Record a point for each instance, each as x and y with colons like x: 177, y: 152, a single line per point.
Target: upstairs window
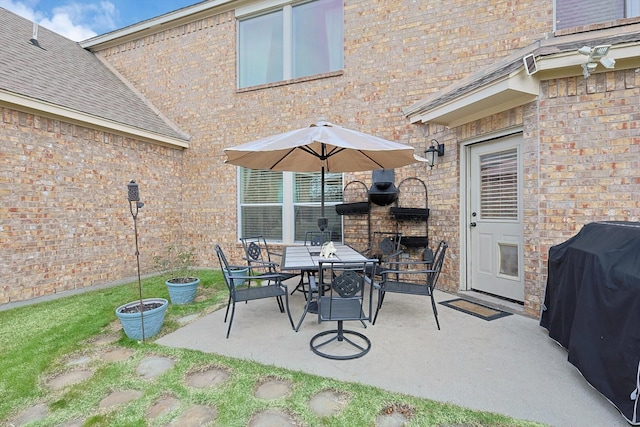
x: 295, y: 40
x: 577, y: 13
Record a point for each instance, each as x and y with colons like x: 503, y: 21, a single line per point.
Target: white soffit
x: 500, y: 95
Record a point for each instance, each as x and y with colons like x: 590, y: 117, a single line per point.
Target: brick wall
x: 65, y: 217
x: 396, y: 53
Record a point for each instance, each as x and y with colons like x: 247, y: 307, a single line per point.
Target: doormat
x: 475, y: 309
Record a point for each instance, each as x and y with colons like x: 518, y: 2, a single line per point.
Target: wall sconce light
x: 430, y: 153
x: 596, y: 54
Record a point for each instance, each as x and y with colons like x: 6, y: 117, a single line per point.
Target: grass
x: 38, y: 341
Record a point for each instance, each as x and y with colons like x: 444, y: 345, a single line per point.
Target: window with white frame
x: 576, y: 13
x: 296, y: 39
x: 282, y: 206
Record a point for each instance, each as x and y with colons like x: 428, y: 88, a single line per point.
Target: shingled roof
x: 56, y: 70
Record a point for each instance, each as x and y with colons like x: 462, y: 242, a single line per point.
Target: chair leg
x: 300, y: 287
x: 380, y: 299
x: 233, y: 311
x: 280, y: 305
x: 286, y: 300
x: 304, y: 313
x: 227, y: 312
x: 435, y: 310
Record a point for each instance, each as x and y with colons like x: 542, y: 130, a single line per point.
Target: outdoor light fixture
x: 596, y: 54
x: 430, y: 153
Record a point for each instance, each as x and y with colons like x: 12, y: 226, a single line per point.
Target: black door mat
x: 475, y: 309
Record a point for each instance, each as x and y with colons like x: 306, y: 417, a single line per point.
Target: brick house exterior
x: 413, y: 71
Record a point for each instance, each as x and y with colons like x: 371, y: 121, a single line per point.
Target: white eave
x: 499, y: 95
x: 48, y: 109
x: 489, y: 92
x: 168, y: 20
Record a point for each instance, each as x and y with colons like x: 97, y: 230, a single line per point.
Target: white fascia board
x: 570, y: 63
x: 154, y: 22
x: 500, y: 95
x: 48, y: 109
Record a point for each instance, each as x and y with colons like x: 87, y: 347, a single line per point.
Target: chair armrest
x: 412, y: 267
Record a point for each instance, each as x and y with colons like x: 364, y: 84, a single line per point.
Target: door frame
x: 465, y: 198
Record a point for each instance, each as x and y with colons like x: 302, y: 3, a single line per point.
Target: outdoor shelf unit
x: 415, y: 214
x: 362, y: 207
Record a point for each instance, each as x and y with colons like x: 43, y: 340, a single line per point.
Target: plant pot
x: 153, y: 317
x: 410, y: 214
x: 415, y: 241
x: 235, y: 272
x: 182, y: 290
x: 356, y: 208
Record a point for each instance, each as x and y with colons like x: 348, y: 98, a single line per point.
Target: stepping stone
x: 35, y: 413
x: 82, y: 360
x: 273, y: 389
x: 162, y: 406
x: 208, y: 378
x: 120, y: 397
x: 117, y: 355
x: 152, y: 367
x: 69, y: 378
x: 195, y: 416
x: 328, y: 403
x: 272, y: 418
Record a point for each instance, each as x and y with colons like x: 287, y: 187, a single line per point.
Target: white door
x: 495, y: 218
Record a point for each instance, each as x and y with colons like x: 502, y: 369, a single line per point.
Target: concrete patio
x: 508, y: 365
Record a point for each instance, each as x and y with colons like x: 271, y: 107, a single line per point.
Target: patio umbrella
x: 323, y: 147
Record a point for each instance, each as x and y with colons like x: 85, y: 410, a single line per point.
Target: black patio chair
x: 275, y: 289
x: 385, y: 247
x: 413, y: 278
x: 315, y: 239
x: 261, y: 260
x: 345, y: 300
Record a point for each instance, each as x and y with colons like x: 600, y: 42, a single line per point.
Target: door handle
x: 473, y: 224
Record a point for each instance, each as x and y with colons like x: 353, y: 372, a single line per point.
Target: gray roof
x: 58, y: 71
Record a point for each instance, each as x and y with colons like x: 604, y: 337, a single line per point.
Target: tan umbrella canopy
x: 323, y: 147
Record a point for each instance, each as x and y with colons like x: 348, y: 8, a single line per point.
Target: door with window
x: 495, y: 218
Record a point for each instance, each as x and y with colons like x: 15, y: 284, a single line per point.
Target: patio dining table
x: 308, y: 257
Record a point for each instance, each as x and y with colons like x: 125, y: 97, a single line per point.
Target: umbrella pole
x: 322, y: 221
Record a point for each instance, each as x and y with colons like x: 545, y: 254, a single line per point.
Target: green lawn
x: 38, y: 341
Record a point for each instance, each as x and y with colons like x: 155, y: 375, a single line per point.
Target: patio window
x: 282, y: 206
x: 295, y: 40
x: 576, y: 13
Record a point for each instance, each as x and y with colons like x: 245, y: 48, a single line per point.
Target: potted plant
x: 142, y: 318
x: 176, y: 267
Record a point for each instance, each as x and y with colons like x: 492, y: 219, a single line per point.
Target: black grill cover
x: 592, y: 308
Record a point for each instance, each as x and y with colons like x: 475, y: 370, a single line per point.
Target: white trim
x: 169, y: 19
x: 500, y: 95
x: 260, y: 6
x: 512, y: 90
x: 465, y: 165
x: 21, y: 102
